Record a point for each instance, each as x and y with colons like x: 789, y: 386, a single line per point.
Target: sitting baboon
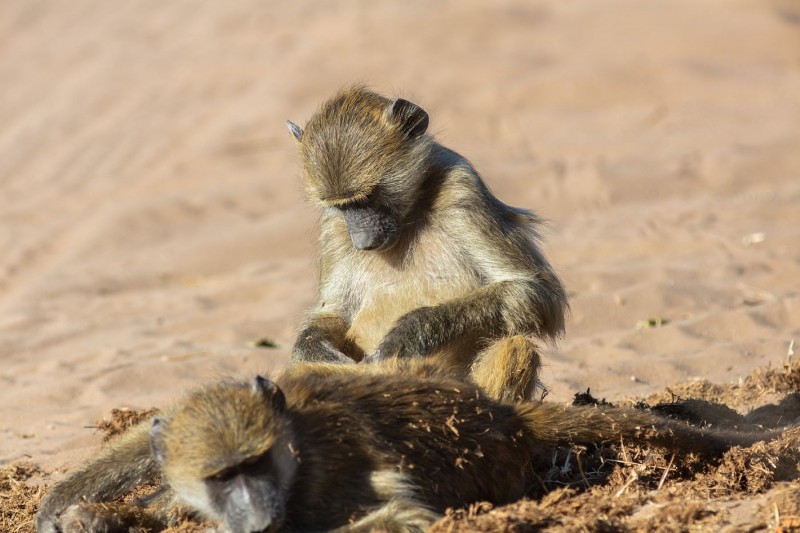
x: 417, y: 257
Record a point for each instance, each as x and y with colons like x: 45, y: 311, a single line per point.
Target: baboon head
x: 227, y: 452
x: 364, y: 156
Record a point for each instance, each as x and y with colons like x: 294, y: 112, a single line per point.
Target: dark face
x: 371, y: 227
x: 247, y: 496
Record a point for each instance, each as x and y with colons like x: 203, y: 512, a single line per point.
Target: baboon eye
x: 349, y: 205
x: 223, y: 475
x: 250, y: 461
x: 258, y: 463
x: 365, y: 202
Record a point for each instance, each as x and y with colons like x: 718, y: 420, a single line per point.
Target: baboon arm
x: 495, y: 310
x: 118, y: 468
x: 323, y: 338
x: 123, y: 517
x: 527, y: 292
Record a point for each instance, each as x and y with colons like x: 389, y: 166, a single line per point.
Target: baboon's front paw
x: 374, y: 357
x: 391, y: 346
x: 414, y: 334
x: 92, y: 518
x: 329, y: 354
x: 46, y: 524
x: 395, y: 346
x: 318, y: 351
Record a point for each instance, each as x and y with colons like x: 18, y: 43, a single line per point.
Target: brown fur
x: 462, y: 279
x: 362, y: 446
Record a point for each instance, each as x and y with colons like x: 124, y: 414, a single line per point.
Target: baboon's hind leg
x: 401, y: 510
x: 400, y: 515
x: 508, y: 370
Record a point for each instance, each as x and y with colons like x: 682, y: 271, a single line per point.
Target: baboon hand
x: 316, y: 350
x: 46, y: 524
x: 100, y: 517
x: 414, y: 334
x: 395, y: 347
x: 86, y: 518
x: 47, y: 518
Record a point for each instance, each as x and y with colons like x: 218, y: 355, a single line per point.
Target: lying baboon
x: 417, y: 257
x: 331, y: 446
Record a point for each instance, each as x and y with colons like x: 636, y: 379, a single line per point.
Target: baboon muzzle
x: 370, y: 228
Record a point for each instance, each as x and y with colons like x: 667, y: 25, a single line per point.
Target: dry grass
x: 121, y: 419
x: 18, y: 500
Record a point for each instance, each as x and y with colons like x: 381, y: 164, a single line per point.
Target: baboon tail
x: 554, y: 424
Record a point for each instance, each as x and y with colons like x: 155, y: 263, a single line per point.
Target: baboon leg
x: 399, y: 515
x: 401, y: 511
x: 508, y: 369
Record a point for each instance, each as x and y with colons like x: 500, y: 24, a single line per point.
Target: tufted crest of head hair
x: 238, y: 422
x: 358, y: 140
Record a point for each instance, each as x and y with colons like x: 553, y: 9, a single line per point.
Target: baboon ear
x: 271, y: 393
x: 157, y: 446
x: 412, y: 119
x: 295, y: 130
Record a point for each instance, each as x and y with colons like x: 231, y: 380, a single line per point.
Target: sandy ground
x: 152, y: 226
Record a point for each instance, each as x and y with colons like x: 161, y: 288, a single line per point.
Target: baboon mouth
x: 372, y: 239
x: 369, y: 228
x: 370, y: 245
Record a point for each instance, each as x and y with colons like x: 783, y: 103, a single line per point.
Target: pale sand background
x: 152, y: 225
